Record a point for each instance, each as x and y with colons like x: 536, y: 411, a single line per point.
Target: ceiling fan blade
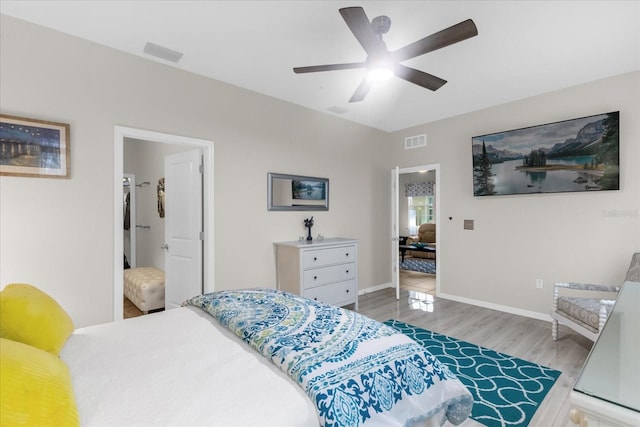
x: 454, y: 34
x: 329, y: 67
x: 419, y: 78
x: 361, y: 91
x: 360, y: 26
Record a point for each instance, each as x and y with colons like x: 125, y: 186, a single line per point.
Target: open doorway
x: 417, y: 224
x: 155, y: 280
x: 121, y: 134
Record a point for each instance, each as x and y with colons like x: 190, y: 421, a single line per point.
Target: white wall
x: 58, y: 234
x: 518, y: 239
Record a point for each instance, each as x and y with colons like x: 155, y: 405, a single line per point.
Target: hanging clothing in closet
x: 127, y: 212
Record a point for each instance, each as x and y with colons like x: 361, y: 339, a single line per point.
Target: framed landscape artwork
x: 573, y: 155
x: 30, y: 147
x: 297, y: 193
x: 308, y: 189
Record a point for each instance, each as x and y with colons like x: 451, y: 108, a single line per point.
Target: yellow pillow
x: 36, y: 388
x: 30, y: 316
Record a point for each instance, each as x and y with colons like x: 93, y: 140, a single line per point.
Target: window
x: 420, y: 212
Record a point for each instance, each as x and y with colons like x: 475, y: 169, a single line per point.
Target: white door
x: 395, y: 267
x: 182, y: 227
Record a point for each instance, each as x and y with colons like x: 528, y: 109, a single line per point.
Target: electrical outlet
x: 539, y: 283
x: 468, y: 224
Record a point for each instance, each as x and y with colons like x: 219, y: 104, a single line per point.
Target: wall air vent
x: 415, y: 141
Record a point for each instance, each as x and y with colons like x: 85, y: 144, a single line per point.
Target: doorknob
x: 165, y: 247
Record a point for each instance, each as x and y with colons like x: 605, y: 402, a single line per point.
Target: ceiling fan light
x: 380, y: 74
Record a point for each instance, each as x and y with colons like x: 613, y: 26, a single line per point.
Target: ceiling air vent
x: 415, y: 141
x: 337, y: 110
x: 162, y: 52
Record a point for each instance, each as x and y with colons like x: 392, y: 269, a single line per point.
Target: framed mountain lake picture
x: 30, y: 147
x: 573, y: 155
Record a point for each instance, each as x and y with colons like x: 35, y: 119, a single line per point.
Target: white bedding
x: 356, y: 371
x: 178, y: 368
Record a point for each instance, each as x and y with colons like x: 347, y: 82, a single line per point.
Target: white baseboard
x: 504, y: 308
x: 374, y: 288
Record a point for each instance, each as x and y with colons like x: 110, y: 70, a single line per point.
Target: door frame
x: 395, y: 204
x: 208, y: 264
x: 133, y: 261
x: 395, y: 232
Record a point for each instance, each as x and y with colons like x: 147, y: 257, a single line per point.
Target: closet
x: 129, y: 211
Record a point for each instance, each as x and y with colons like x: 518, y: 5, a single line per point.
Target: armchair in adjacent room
x: 587, y: 315
x: 427, y: 236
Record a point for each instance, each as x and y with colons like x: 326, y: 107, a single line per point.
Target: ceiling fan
x: 381, y: 63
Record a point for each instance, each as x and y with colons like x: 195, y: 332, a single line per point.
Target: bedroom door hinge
x: 201, y: 235
x: 201, y: 168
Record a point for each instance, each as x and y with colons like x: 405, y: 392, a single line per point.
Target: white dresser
x: 325, y: 270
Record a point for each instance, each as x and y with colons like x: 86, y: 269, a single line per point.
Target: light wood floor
x: 419, y: 282
x: 522, y: 337
x: 130, y: 309
x: 518, y: 336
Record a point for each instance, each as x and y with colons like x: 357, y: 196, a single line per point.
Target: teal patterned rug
x: 419, y: 264
x: 506, y: 390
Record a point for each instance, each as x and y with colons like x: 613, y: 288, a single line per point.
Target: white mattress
x: 178, y: 367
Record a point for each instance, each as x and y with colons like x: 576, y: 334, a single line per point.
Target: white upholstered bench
x: 144, y: 286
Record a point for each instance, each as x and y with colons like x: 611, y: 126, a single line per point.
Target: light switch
x: 468, y: 224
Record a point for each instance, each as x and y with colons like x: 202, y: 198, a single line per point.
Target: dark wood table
x: 405, y: 248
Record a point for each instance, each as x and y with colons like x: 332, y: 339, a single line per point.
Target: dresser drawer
x: 338, y: 294
x: 323, y: 275
x: 325, y: 270
x: 320, y: 257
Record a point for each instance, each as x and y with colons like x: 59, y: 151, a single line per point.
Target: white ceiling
x: 523, y: 48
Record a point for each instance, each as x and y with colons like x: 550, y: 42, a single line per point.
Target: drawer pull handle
x: 315, y: 298
x: 347, y: 290
x: 315, y: 277
x: 347, y: 253
x: 315, y: 258
x: 347, y: 271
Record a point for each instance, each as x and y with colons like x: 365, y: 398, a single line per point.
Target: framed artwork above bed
x: 573, y: 155
x: 31, y: 147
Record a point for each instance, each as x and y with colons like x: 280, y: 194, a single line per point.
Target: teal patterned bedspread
x: 357, y: 371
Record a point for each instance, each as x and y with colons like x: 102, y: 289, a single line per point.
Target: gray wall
x: 587, y: 237
x: 58, y: 234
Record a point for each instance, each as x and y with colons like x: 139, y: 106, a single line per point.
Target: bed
x: 257, y: 357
